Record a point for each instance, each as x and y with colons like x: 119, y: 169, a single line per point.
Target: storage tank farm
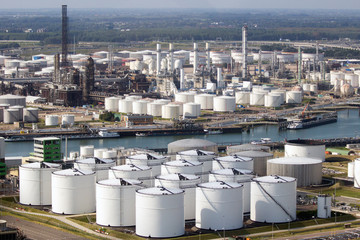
x: 219, y: 206
x: 241, y: 176
x: 182, y: 166
x: 115, y: 202
x: 99, y: 166
x: 131, y: 171
x: 260, y: 159
x: 233, y: 161
x: 148, y: 159
x: 188, y: 183
x: 35, y: 183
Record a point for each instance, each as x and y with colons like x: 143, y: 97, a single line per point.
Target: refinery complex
x: 99, y: 165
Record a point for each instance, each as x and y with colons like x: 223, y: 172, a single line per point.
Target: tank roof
x: 119, y: 182
x: 234, y: 158
x: 220, y: 185
x: 160, y: 191
x: 131, y: 167
x: 73, y: 172
x: 192, y: 142
x: 183, y: 163
x: 95, y: 160
x: 195, y: 152
x: 295, y: 161
x: 253, y: 154
x: 41, y: 165
x: 178, y: 177
x: 304, y: 142
x: 274, y: 179
x: 146, y: 156
x: 232, y: 171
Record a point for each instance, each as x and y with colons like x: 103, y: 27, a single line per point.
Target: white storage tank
x: 181, y: 107
x: 131, y: 171
x: 206, y: 101
x: 281, y: 93
x: 357, y: 173
x: 294, y: 97
x: 160, y: 212
x: 260, y: 160
x: 112, y: 104
x: 182, y: 166
x: 313, y: 88
x: 350, y: 169
x: 110, y: 154
x: 235, y: 175
x: 257, y: 99
x: 242, y: 98
x: 13, y: 100
x: 148, y: 159
x: 35, y: 182
x: 11, y: 115
x: 188, y: 183
x: 20, y: 110
x: 324, y: 206
x: 73, y: 191
x: 170, y: 111
x: 246, y: 147
x: 31, y: 115
x: 219, y: 206
x: 272, y: 100
x: 192, y: 110
x: 155, y: 109
x: 115, y: 202
x: 307, y: 171
x: 305, y: 148
x: 140, y: 107
x: 273, y: 199
x: 190, y: 144
x: 51, y: 120
x: 68, y: 119
x: 233, y: 161
x: 224, y: 104
x: 126, y: 105
x: 100, y: 166
x: 87, y: 151
x: 306, y: 87
x: 185, y: 97
x: 98, y: 152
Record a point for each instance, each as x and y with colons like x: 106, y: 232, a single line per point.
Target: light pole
x: 288, y: 224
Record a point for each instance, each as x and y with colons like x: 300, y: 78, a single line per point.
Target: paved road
x: 37, y: 231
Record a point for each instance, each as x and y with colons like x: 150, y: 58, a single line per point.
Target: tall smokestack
x: 158, y: 58
x: 208, y: 56
x: 57, y: 68
x: 196, y: 57
x: 64, y: 37
x: 171, y: 50
x: 182, y: 78
x: 219, y: 78
x: 244, y: 51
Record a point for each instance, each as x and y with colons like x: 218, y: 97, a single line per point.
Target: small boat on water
x: 212, y: 132
x: 141, y: 134
x: 104, y: 133
x: 262, y: 141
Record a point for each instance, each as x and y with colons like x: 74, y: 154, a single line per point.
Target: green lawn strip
x: 10, y: 202
x: 83, y: 221
x: 53, y: 223
x: 340, y: 191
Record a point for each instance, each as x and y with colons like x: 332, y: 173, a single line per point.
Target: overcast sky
x: 293, y: 4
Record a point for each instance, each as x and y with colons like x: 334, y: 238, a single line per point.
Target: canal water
x: 348, y: 125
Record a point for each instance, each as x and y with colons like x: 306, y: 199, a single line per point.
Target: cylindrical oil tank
x: 148, y: 159
x: 126, y: 105
x: 31, y: 115
x: 242, y: 98
x: 11, y: 115
x: 257, y: 99
x: 131, y: 171
x: 68, y: 119
x: 21, y: 111
x: 306, y: 87
x: 219, y: 206
x: 357, y: 173
x: 51, y: 120
x: 160, y: 212
x: 224, y: 104
x: 272, y: 100
x: 305, y: 148
x: 155, y: 109
x: 190, y: 144
x: 182, y: 166
x: 350, y: 169
x: 170, y: 111
x: 140, y: 107
x: 205, y: 100
x: 235, y: 175
x: 185, y: 97
x: 246, y: 147
x: 13, y: 100
x: 260, y: 159
x: 73, y: 191
x: 307, y: 171
x: 35, y: 182
x: 324, y: 206
x: 98, y: 152
x: 233, y: 161
x: 112, y: 104
x: 181, y: 107
x: 294, y: 97
x: 110, y: 154
x: 281, y: 93
x: 87, y: 151
x: 115, y: 202
x: 313, y: 88
x: 202, y: 156
x: 192, y: 110
x: 273, y: 199
x: 100, y: 166
x: 188, y: 183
